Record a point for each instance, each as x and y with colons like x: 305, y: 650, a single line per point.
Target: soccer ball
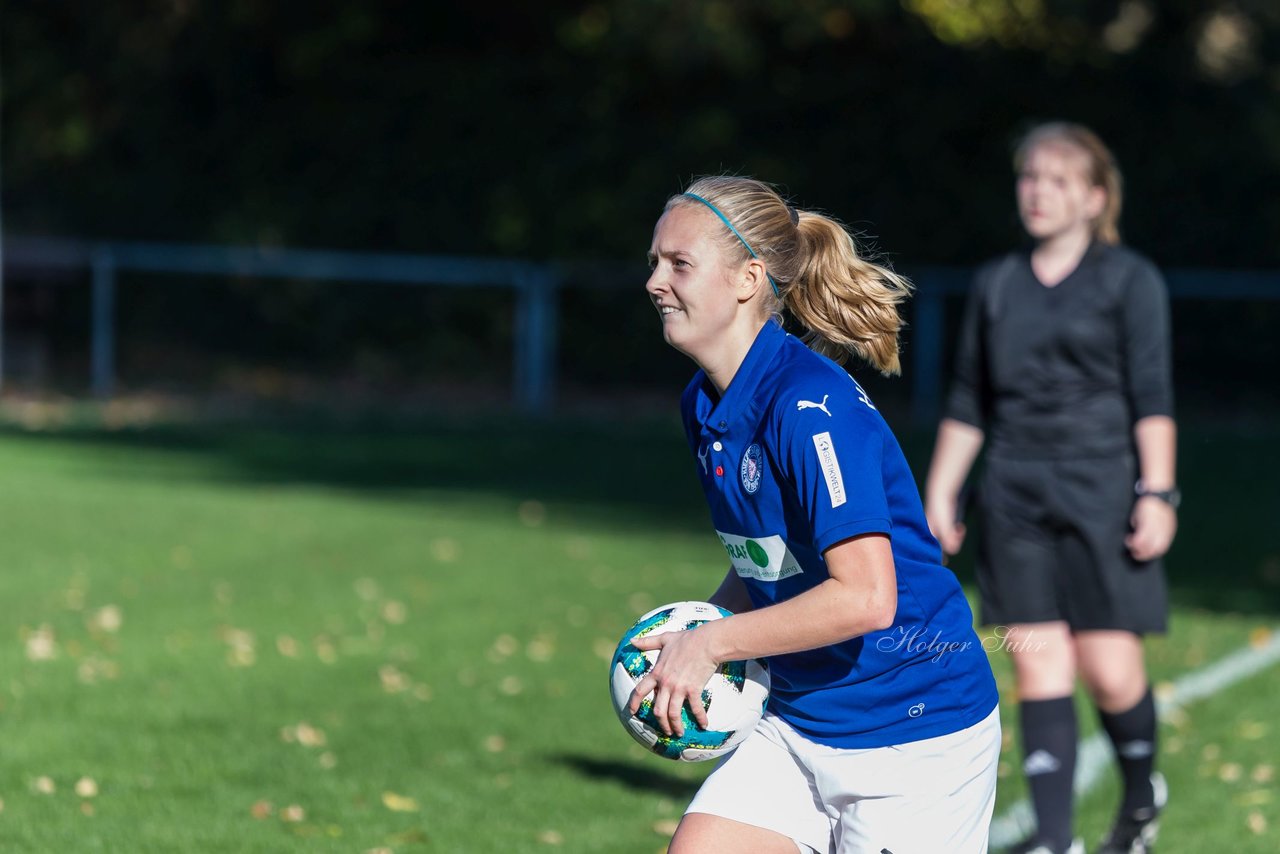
x: 734, y: 698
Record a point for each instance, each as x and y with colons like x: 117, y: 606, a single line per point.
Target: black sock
x: 1049, y: 760
x: 1133, y: 734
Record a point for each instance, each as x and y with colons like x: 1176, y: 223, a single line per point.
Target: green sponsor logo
x: 747, y: 550
x: 766, y: 558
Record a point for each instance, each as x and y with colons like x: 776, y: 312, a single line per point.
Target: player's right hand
x: 949, y: 531
x: 677, y: 679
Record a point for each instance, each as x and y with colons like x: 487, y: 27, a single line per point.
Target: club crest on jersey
x: 752, y: 468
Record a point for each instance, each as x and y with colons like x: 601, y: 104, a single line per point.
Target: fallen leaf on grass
x: 293, y: 813
x: 1259, y: 637
x: 1257, y: 823
x: 262, y: 809
x: 540, y: 649
x: 1263, y: 774
x: 86, y: 808
x: 399, y: 803
x: 367, y: 589
x: 86, y: 787
x: 445, y: 550
x: 412, y: 836
x: 1252, y: 730
x: 392, y: 678
x: 495, y: 744
x: 551, y: 837
x: 107, y: 619
x: 303, y: 733
x: 93, y: 668
x: 503, y: 646
x: 287, y: 646
x: 1229, y: 772
x: 44, y: 785
x: 41, y: 645
x: 325, y: 650
x: 394, y: 612
x: 241, y: 646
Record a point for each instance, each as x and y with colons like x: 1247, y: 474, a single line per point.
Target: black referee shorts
x: 1051, y: 547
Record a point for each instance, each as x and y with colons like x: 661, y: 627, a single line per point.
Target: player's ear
x: 1096, y: 202
x: 753, y: 278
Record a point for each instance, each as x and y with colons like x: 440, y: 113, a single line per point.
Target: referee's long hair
x: 847, y: 303
x: 1102, y: 170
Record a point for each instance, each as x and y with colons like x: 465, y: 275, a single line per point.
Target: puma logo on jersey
x: 703, y: 453
x: 809, y: 404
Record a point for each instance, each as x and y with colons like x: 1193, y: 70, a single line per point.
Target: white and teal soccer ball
x: 734, y: 698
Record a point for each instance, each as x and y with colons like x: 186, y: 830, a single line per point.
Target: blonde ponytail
x: 847, y: 303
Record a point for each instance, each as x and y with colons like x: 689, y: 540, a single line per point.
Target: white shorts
x: 923, y: 797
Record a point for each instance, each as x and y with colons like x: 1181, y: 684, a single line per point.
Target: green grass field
x: 353, y: 639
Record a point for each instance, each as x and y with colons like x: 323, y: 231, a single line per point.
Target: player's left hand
x: 684, y: 665
x: 1154, y: 524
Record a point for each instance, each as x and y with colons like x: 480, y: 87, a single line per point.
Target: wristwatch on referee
x: 1171, y: 496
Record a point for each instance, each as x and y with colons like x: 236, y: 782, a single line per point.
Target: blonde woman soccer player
x: 881, y: 732
x: 1063, y: 371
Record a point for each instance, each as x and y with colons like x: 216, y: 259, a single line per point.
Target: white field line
x: 1095, y: 754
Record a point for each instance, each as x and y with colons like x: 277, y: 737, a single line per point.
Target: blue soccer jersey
x: 794, y: 458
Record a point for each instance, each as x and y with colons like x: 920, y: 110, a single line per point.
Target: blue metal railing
x: 537, y: 288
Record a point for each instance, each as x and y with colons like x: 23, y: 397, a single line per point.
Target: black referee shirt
x: 1064, y: 371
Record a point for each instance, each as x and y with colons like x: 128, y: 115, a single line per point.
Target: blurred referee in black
x: 1063, y: 370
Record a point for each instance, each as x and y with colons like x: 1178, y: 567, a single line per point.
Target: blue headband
x: 715, y: 210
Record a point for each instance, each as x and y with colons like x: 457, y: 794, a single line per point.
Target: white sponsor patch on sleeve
x: 830, y: 467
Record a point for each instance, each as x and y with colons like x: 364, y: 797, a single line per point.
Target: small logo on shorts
x: 752, y: 468
x: 916, y: 711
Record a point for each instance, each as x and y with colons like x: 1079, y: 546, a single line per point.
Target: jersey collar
x: 741, y: 393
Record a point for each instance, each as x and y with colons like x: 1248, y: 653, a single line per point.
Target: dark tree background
x: 555, y: 130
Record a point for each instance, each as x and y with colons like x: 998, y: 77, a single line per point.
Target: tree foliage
x: 556, y: 129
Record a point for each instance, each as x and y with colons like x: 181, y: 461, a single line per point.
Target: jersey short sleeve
x: 831, y: 447
x: 966, y: 401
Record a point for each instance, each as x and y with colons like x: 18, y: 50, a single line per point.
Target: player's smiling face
x: 1055, y: 196
x: 692, y: 283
